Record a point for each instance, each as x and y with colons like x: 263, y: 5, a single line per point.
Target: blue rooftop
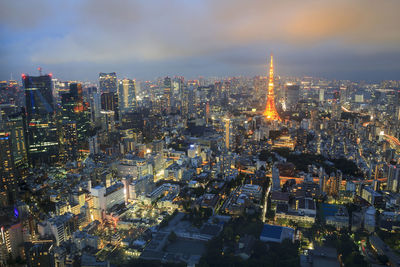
x: 329, y: 209
x: 272, y: 231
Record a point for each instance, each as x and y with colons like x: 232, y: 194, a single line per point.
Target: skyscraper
x: 393, y: 182
x: 95, y: 107
x: 276, y: 184
x: 127, y: 95
x: 109, y: 102
x: 343, y: 94
x: 74, y: 121
x: 12, y: 121
x: 108, y: 82
x: 42, y: 134
x: 69, y: 140
x: 292, y: 92
x: 259, y: 83
x: 7, y: 175
x: 270, y: 112
x: 167, y: 94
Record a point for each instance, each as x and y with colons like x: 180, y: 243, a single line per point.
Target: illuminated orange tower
x: 270, y: 112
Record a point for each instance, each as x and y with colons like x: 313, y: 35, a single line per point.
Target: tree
x: 383, y: 259
x: 172, y: 237
x: 228, y: 233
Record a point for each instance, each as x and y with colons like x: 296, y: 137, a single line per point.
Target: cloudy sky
x: 77, y: 39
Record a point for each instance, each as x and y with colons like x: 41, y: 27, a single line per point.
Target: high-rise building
x: 260, y: 83
x: 74, y: 121
x: 321, y: 95
x: 69, y: 140
x: 95, y: 107
x: 7, y: 171
x: 393, y: 182
x: 42, y: 137
x: 227, y: 133
x: 12, y: 121
x: 108, y: 82
x: 11, y: 240
x: 167, y: 94
x: 270, y: 112
x: 343, y: 94
x: 127, y: 95
x: 276, y: 185
x: 94, y: 147
x: 292, y: 95
x: 109, y: 102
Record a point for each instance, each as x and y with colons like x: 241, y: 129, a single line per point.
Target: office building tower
x: 227, y: 133
x: 393, y: 178
x: 69, y: 140
x: 11, y: 240
x: 167, y: 95
x: 343, y: 94
x: 109, y: 102
x: 94, y: 147
x: 276, y: 185
x: 76, y: 97
x: 95, y: 107
x: 127, y: 95
x: 42, y: 137
x: 260, y: 83
x: 292, y: 94
x: 12, y: 121
x: 321, y: 95
x: 7, y: 171
x: 73, y: 122
x: 185, y: 102
x: 108, y: 82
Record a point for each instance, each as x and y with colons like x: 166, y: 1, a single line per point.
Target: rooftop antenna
x: 40, y: 71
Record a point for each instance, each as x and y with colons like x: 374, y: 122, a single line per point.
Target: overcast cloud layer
x: 76, y: 39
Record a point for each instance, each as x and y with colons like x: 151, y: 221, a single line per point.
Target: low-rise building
x: 276, y: 233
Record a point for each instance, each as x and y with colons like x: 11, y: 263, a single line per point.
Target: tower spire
x: 271, y: 77
x: 270, y: 112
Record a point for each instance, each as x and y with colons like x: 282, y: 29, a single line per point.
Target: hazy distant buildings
x: 343, y: 94
x: 167, y: 95
x: 292, y: 96
x: 108, y: 82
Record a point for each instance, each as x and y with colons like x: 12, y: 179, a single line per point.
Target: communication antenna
x: 40, y: 71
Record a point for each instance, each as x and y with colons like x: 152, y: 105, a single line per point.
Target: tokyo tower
x: 270, y: 112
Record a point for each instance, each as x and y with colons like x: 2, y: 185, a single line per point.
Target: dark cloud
x: 224, y: 36
x: 23, y: 15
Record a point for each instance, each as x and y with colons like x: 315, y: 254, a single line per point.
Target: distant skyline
x: 77, y: 39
